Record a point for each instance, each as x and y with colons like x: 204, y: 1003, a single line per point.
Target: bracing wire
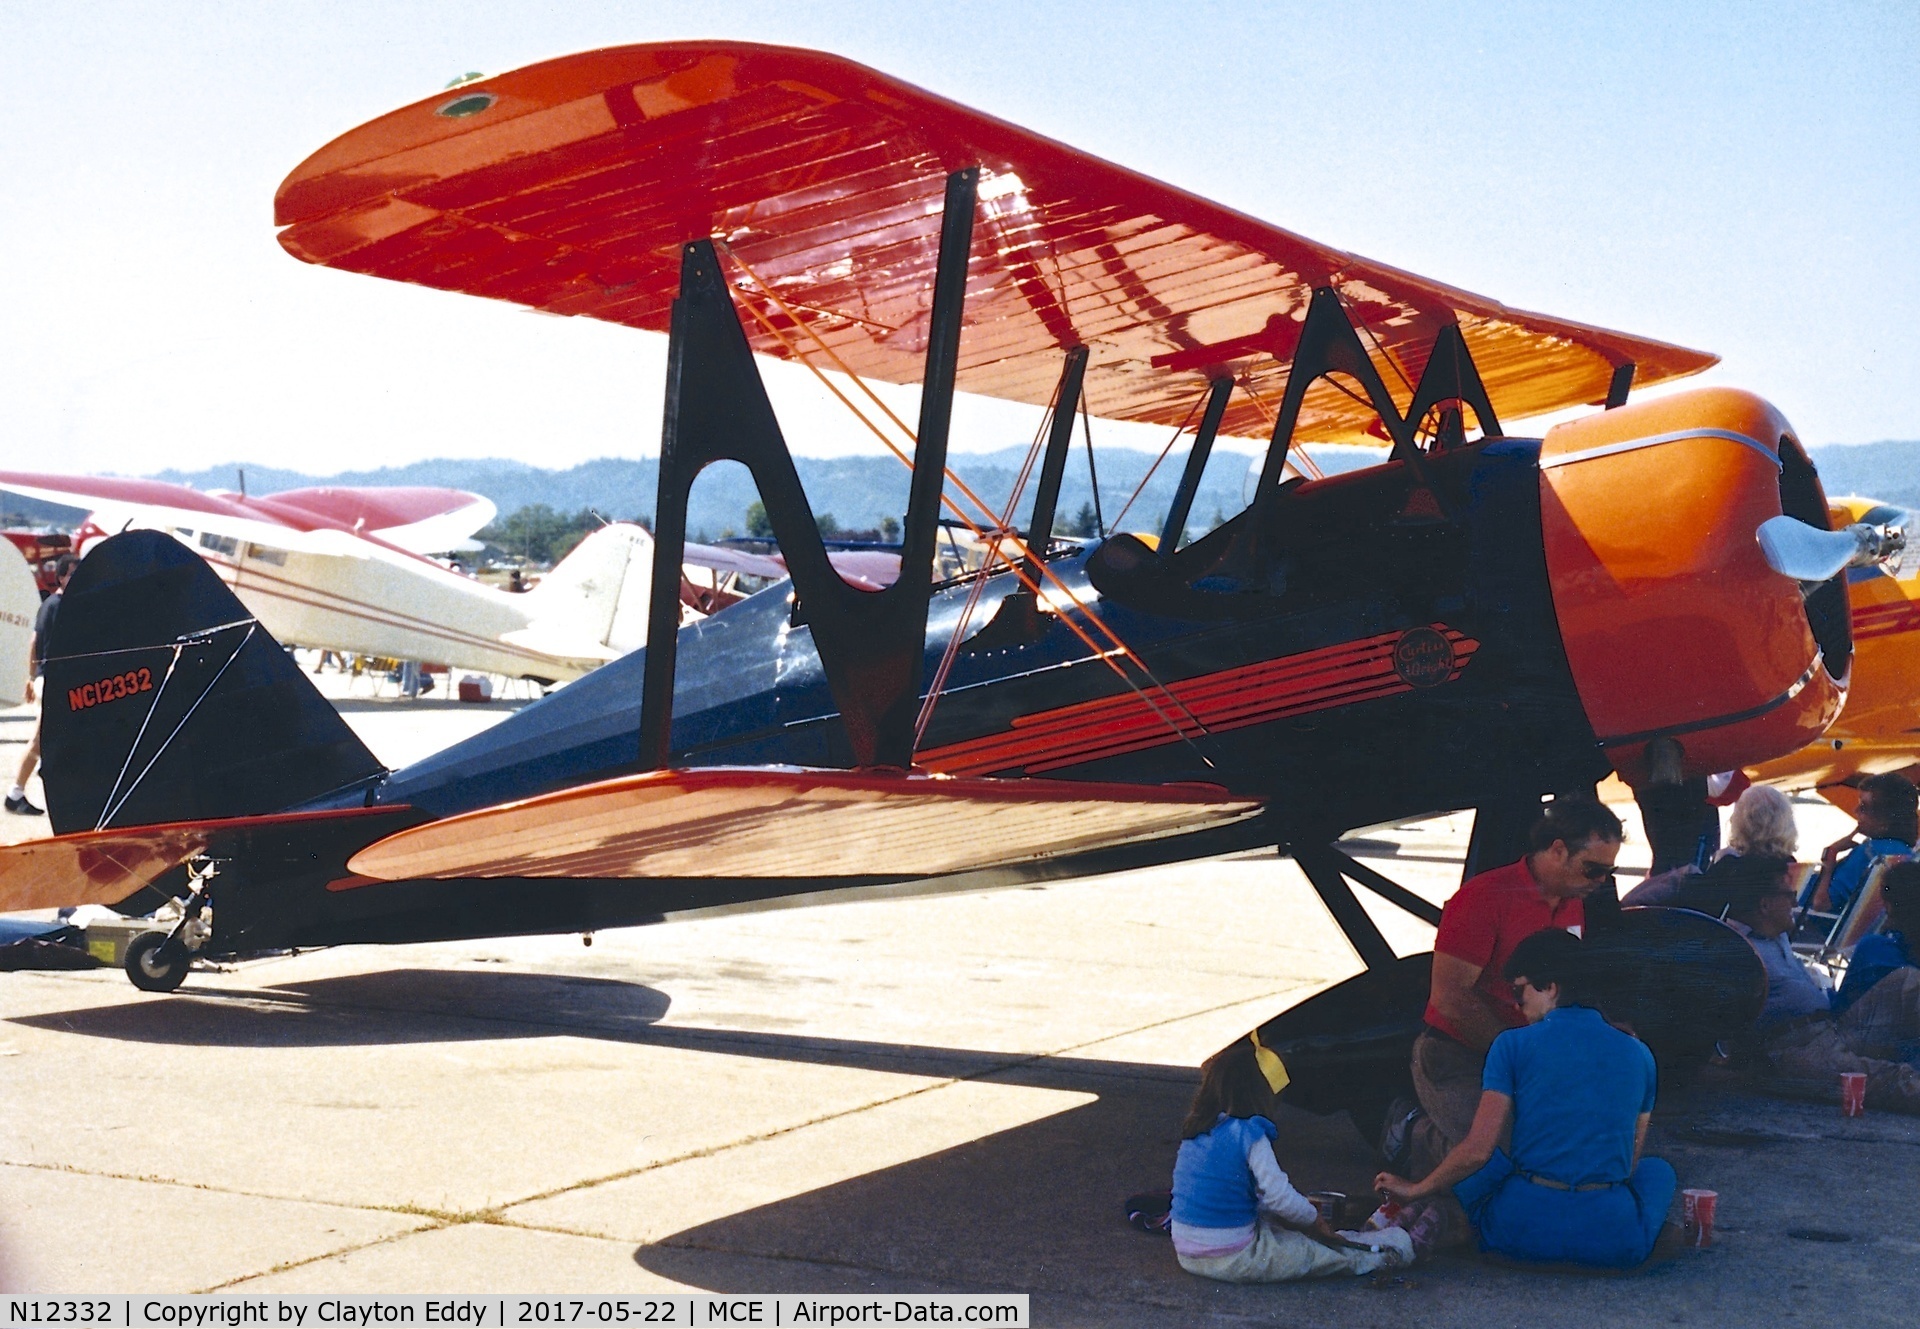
x: 974, y: 592
x: 1118, y: 648
x: 1140, y: 488
x: 112, y: 807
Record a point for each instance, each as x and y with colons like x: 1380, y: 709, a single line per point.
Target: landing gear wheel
x: 154, y: 966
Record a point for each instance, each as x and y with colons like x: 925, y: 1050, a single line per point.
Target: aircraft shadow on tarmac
x: 398, y: 1006
x: 388, y: 1007
x: 1035, y: 1208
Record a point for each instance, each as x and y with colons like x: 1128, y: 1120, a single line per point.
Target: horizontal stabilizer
x: 730, y: 822
x: 106, y: 867
x: 93, y: 867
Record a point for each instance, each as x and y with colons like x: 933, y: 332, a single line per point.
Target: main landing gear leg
x: 158, y: 961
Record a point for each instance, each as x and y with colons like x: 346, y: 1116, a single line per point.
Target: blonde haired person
x: 1762, y: 824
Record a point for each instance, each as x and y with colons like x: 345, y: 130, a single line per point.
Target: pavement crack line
x: 155, y: 1179
x: 335, y: 1254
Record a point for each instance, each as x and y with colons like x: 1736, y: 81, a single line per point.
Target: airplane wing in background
x: 869, y: 569
x: 417, y: 519
x: 118, y: 502
x: 569, y: 186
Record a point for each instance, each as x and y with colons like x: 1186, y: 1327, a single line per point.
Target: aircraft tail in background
x: 593, y: 605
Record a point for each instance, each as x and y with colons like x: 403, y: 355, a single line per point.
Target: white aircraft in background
x: 349, y: 570
x: 19, y: 603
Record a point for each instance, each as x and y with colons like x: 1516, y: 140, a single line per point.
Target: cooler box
x: 107, y: 942
x: 476, y: 687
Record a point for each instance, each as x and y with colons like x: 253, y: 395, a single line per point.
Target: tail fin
x: 166, y: 701
x: 596, y: 596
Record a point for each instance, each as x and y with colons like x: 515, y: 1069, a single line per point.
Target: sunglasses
x: 1596, y: 871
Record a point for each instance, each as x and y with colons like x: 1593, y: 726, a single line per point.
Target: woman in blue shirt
x: 1577, y: 1093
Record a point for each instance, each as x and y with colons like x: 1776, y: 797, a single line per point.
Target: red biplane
x: 1464, y: 625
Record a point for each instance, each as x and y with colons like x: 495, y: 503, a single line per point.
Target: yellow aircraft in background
x: 1879, y: 727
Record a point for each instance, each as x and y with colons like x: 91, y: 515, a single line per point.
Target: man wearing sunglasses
x: 1572, y: 848
x: 1804, y: 1037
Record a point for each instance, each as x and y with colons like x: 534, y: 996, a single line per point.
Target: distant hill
x: 860, y: 491
x: 1888, y: 470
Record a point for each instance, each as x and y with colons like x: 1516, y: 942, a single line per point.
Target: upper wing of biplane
x: 569, y: 186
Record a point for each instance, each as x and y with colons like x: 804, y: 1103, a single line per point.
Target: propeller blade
x: 1808, y: 554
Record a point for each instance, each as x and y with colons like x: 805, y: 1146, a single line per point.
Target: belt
x: 1553, y: 1185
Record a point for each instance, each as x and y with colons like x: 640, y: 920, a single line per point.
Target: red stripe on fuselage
x: 1235, y: 698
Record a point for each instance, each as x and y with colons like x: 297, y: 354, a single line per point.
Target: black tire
x: 154, y: 966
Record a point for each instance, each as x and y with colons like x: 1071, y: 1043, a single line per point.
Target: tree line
x: 538, y: 534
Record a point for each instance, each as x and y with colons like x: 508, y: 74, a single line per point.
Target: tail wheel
x: 155, y: 966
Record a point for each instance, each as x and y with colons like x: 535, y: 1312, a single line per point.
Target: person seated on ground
x: 1577, y: 1093
x: 1236, y: 1217
x: 1893, y: 948
x: 1762, y: 823
x: 1708, y: 892
x: 1572, y: 850
x: 1888, y: 817
x: 1800, y: 1033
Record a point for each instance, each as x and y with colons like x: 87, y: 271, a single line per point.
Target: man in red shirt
x: 1572, y: 850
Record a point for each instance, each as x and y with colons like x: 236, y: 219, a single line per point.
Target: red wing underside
x: 788, y: 823
x: 570, y: 186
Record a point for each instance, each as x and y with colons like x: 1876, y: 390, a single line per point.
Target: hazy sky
x: 1735, y: 177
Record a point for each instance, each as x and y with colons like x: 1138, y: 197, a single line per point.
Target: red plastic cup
x: 1696, y: 1212
x: 1853, y: 1093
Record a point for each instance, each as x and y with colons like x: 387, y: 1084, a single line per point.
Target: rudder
x: 166, y: 701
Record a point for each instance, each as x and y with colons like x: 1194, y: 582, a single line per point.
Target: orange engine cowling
x: 1674, y: 624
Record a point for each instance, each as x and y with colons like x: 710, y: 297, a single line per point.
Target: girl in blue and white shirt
x: 1236, y: 1217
